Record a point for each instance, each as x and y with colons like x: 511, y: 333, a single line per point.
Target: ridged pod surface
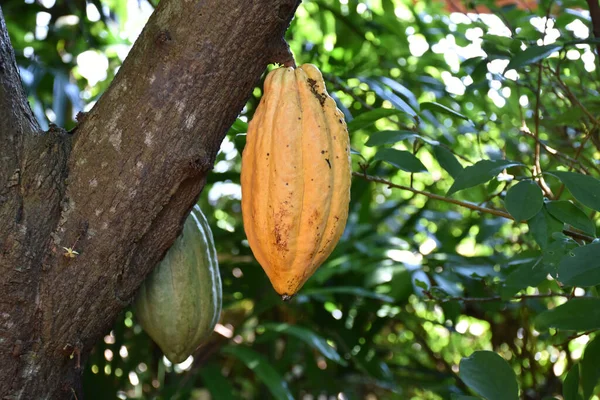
x: 179, y: 303
x: 296, y: 174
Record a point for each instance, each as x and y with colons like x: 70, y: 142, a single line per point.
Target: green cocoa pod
x: 179, y: 303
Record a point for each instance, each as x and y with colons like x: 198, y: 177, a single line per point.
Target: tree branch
x: 16, y: 125
x: 32, y: 174
x: 13, y: 102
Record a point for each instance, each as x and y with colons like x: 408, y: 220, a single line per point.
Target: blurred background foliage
x: 420, y: 284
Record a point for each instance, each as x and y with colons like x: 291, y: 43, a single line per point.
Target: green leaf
x: 388, y: 137
x: 571, y: 384
x: 578, y: 314
x: 447, y: 161
x: 479, y: 173
x: 524, y: 200
x: 386, y: 94
x: 542, y: 226
x: 310, y: 338
x: 531, y: 273
x: 391, y: 137
x: 432, y: 106
x: 555, y: 252
x: 421, y: 282
x: 531, y: 55
x: 240, y: 141
x: 218, y: 386
x: 355, y: 291
x: 400, y: 89
x: 263, y: 370
x: 355, y: 152
x: 590, y: 372
x: 400, y: 159
x: 239, y: 126
x: 581, y: 267
x: 569, y: 213
x: 584, y: 188
x: 370, y: 117
x: 455, y: 396
x: 489, y: 375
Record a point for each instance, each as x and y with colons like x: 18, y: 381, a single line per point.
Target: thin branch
x: 587, y: 137
x: 579, y: 151
x: 537, y: 167
x: 576, y: 101
x: 495, y: 298
x: 470, y: 206
x: 574, y: 98
x: 577, y: 235
x: 557, y: 154
x: 575, y: 336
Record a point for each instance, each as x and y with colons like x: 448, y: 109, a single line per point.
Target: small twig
x: 587, y: 137
x: 557, y: 154
x: 470, y: 206
x: 575, y: 336
x: 414, y: 153
x: 577, y: 235
x: 574, y: 99
x: 537, y: 167
x: 338, y: 85
x: 495, y: 298
x: 474, y: 207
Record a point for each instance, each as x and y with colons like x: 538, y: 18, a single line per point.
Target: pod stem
x: 282, y: 54
x: 287, y: 297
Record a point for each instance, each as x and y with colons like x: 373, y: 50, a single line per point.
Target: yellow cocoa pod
x: 296, y: 174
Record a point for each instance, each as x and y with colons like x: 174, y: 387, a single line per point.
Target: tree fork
x: 119, y: 187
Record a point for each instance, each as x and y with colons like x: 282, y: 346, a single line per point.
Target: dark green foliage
x: 500, y: 385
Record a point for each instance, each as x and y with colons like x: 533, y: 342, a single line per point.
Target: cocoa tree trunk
x: 118, y: 187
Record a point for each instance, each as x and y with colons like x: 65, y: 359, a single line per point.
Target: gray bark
x: 117, y: 188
